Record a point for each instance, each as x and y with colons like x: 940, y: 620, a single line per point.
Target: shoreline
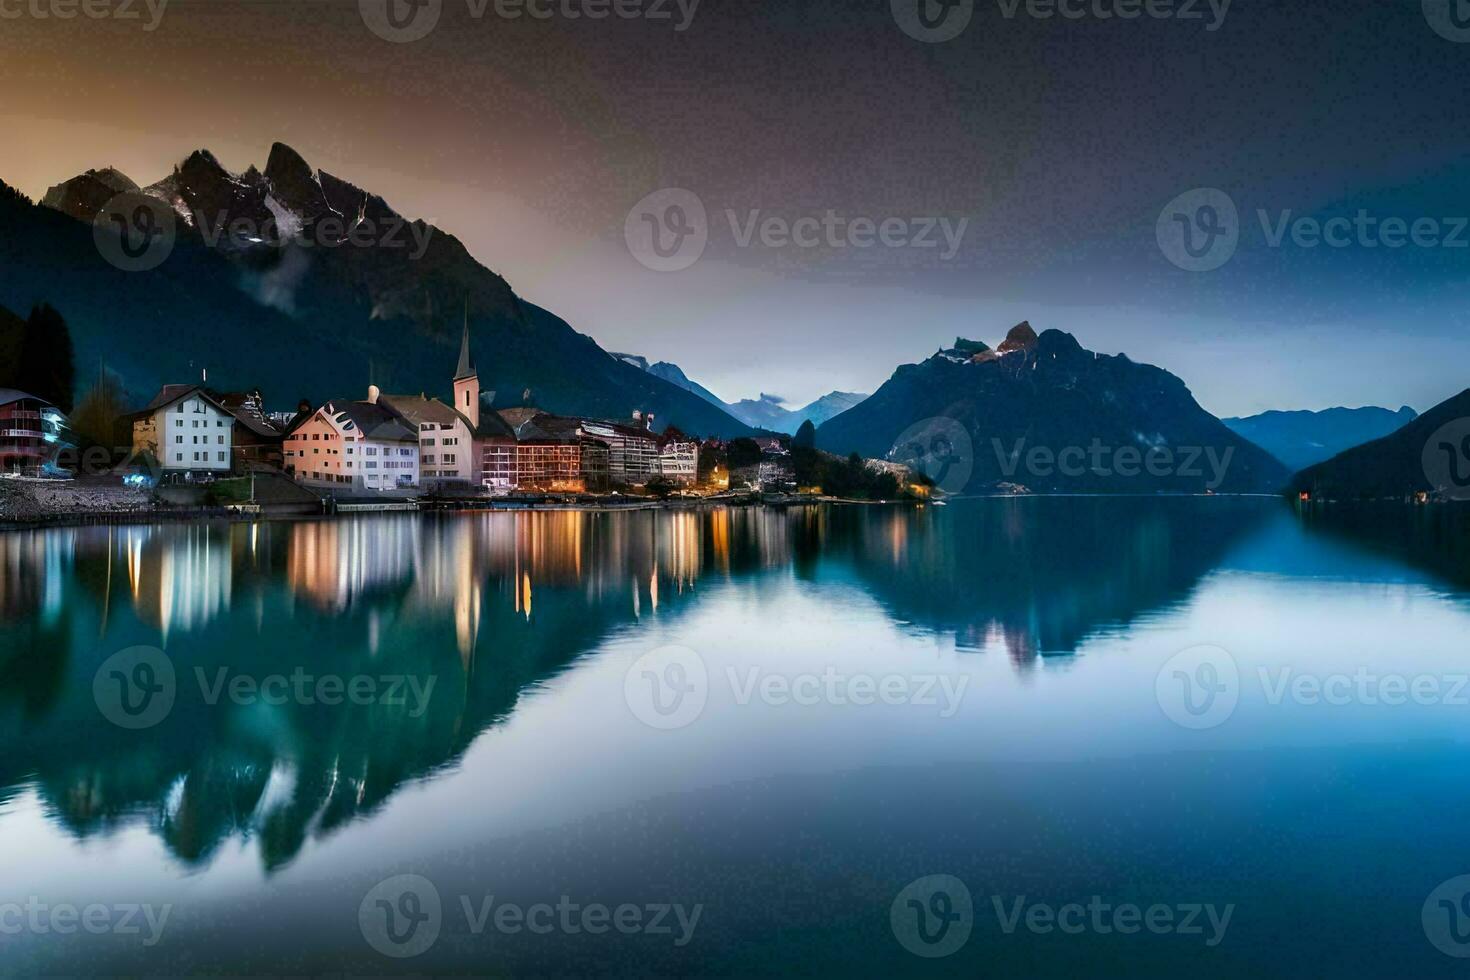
x: 244, y: 514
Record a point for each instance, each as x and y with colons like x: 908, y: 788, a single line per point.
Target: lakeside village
x: 195, y: 450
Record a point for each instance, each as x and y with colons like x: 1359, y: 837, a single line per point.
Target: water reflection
x: 491, y: 607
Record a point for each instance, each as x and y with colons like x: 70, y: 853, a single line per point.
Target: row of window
x: 179, y: 440
x: 179, y: 457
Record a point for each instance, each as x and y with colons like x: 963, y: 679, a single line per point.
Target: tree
x: 46, y: 367
x: 806, y: 436
x: 95, y: 418
x: 744, y: 452
x: 711, y: 457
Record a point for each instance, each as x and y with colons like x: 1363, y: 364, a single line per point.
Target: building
x: 258, y: 439
x: 632, y: 450
x: 454, y: 440
x: 550, y: 453
x: 187, y: 431
x: 23, y: 445
x: 678, y: 461
x: 776, y: 476
x: 446, y: 439
x: 353, y: 446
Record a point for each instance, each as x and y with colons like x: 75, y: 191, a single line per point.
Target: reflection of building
x: 22, y: 434
x: 334, y: 563
x: 180, y: 576
x: 187, y: 430
x: 354, y: 446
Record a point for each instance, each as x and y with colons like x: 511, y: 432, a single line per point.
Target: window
x: 221, y: 457
x: 220, y: 424
x: 178, y: 423
x: 430, y: 458
x: 196, y: 457
x: 178, y: 440
x: 220, y: 440
x: 178, y: 457
x: 448, y: 458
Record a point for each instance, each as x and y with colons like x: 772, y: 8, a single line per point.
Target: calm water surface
x: 775, y: 719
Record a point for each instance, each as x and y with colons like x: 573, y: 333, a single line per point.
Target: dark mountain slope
x: 325, y: 289
x: 1048, y: 395
x: 1429, y: 455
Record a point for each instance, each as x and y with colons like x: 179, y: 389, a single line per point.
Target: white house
x: 353, y: 446
x: 187, y: 431
x: 678, y: 461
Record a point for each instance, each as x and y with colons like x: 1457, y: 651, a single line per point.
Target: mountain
x: 1042, y: 413
x: 828, y: 406
x: 674, y: 375
x: 765, y: 412
x: 298, y: 282
x: 1429, y: 455
x: 1301, y: 439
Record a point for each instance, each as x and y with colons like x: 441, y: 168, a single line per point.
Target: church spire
x: 466, y: 364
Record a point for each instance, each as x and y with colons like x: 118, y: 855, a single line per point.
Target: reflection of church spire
x: 466, y: 364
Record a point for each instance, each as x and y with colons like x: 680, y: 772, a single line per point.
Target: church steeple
x: 466, y: 379
x: 466, y: 363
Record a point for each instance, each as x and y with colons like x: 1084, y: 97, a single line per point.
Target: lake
x: 1073, y: 736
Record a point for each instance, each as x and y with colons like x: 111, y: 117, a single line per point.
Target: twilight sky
x: 1057, y: 141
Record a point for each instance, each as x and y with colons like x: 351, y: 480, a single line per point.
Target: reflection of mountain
x: 1042, y: 574
x: 1428, y: 538
x: 486, y: 607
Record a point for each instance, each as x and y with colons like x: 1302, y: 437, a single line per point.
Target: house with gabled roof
x: 187, y: 430
x: 348, y: 446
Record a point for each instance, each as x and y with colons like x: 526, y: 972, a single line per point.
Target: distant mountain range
x: 1043, y: 414
x: 1302, y: 439
x: 285, y: 279
x: 1429, y: 455
x: 765, y: 412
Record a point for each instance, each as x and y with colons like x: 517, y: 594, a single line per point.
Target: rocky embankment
x: 39, y: 500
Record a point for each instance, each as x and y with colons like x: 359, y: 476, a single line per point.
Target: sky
x: 870, y: 188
